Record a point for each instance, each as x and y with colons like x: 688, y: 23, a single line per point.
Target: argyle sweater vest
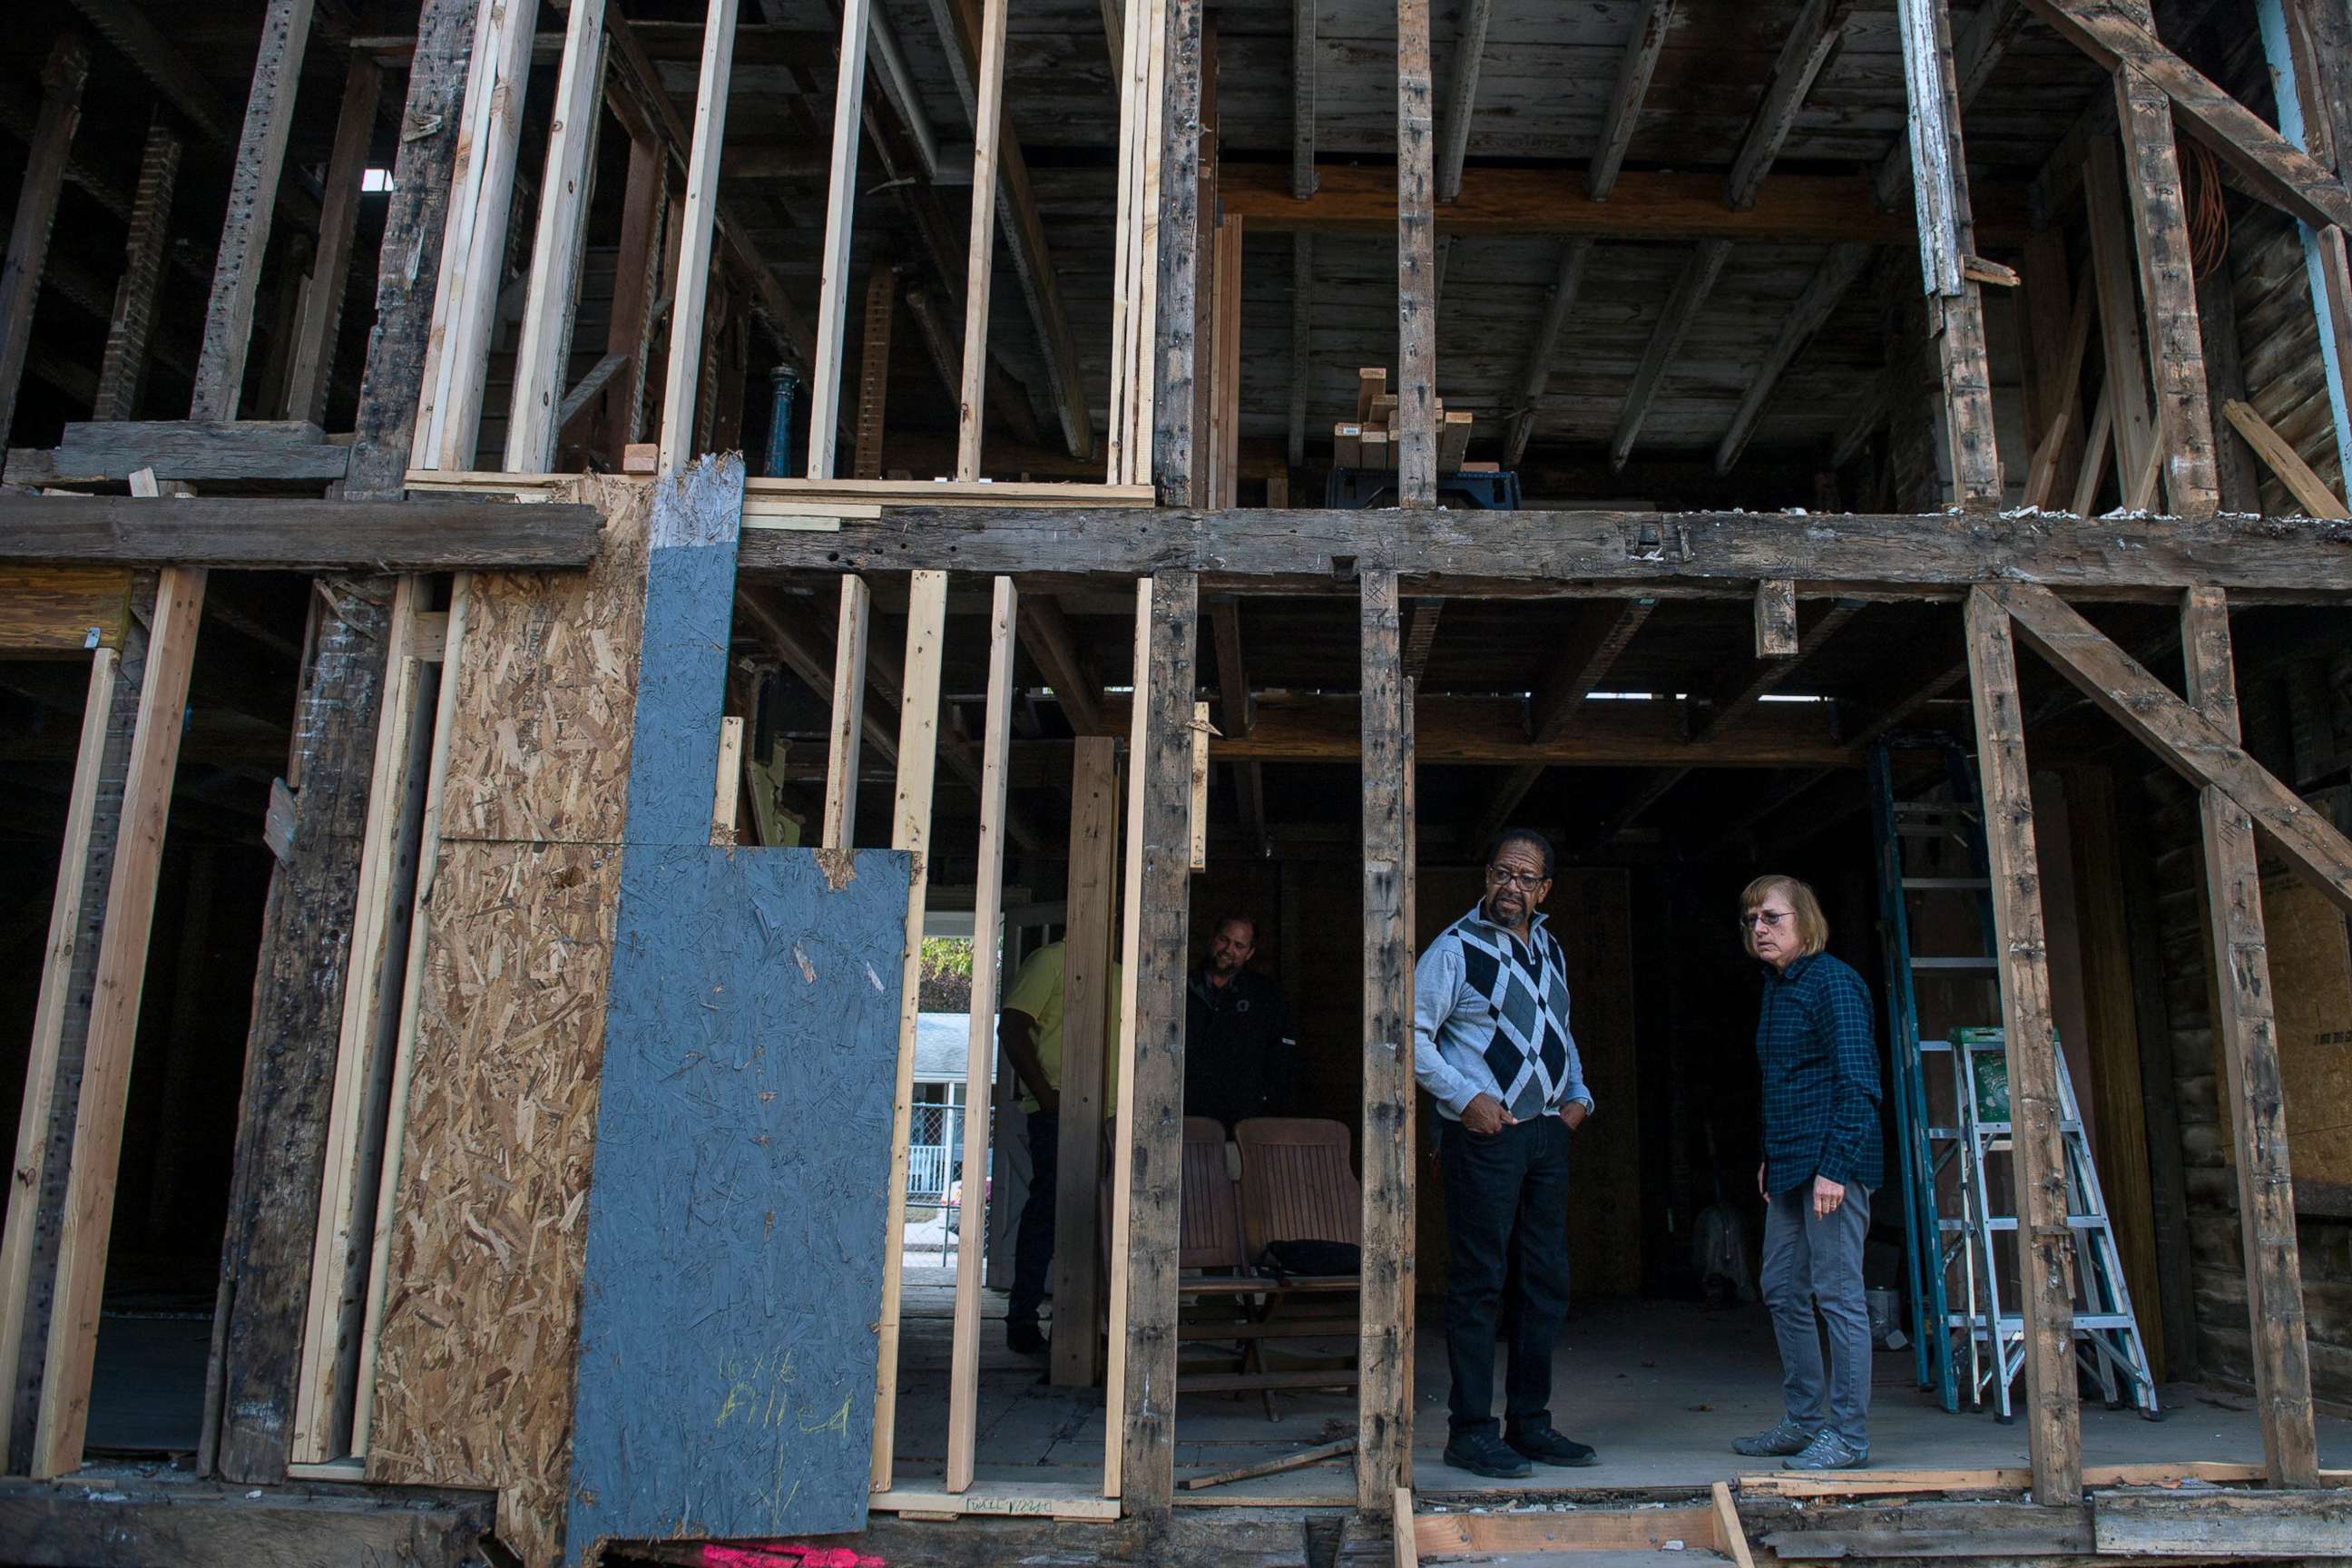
x: 1526, y: 988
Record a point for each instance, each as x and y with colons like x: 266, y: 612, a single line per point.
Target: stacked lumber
x: 1369, y: 440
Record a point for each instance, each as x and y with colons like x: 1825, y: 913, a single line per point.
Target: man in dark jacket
x: 1239, y: 1047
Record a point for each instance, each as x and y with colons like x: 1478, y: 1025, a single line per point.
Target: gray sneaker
x: 1783, y: 1437
x: 1827, y: 1451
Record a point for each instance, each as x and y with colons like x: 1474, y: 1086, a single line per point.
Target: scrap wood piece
x: 2310, y: 491
x: 1401, y: 1530
x: 1296, y: 1460
x: 1729, y: 1539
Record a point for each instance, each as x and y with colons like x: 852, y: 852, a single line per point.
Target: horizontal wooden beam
x: 1601, y: 553
x: 298, y: 535
x: 1298, y: 727
x: 1824, y: 208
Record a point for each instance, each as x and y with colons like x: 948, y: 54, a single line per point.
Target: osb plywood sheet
x: 2311, y: 987
x: 547, y: 675
x: 734, y: 1268
x: 481, y: 1321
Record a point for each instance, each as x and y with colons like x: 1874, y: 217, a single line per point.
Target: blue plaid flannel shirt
x: 1817, y: 1048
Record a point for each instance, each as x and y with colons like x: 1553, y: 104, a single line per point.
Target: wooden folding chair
x: 1297, y: 1184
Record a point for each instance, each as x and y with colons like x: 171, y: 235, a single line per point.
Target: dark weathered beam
x: 1812, y: 39
x: 1975, y: 53
x: 1641, y: 59
x: 1742, y: 687
x: 1558, y: 304
x: 1414, y: 429
x: 1812, y: 312
x: 1900, y: 555
x: 783, y: 633
x: 1826, y: 210
x: 1302, y: 339
x: 2187, y: 741
x: 2272, y: 168
x: 202, y: 1522
x: 123, y: 366
x: 2245, y: 1019
x: 1302, y: 98
x: 1461, y: 95
x: 36, y: 210
x: 1682, y: 309
x: 295, y: 535
x: 241, y: 450
x: 1045, y: 633
x: 149, y: 48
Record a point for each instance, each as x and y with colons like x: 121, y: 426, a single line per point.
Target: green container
x: 1992, y: 1070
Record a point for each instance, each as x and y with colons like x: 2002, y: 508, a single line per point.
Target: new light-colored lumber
x: 727, y: 789
x: 840, y: 215
x: 551, y: 302
x: 910, y: 829
x: 987, y: 160
x: 1383, y: 1459
x: 688, y: 315
x: 2310, y: 491
x: 1453, y: 441
x: 331, y: 267
x: 1297, y: 1460
x: 1198, y: 856
x: 29, y: 1173
x: 1442, y: 1535
x: 1123, y: 1053
x: 2051, y: 1411
x: 473, y: 243
x: 1729, y: 1539
x: 1372, y: 385
x: 2246, y: 1020
x: 849, y: 726
x: 1077, y: 1350
x: 2098, y: 450
x: 113, y: 1025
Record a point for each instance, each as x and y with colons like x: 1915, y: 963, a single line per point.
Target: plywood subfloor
x: 1661, y: 1388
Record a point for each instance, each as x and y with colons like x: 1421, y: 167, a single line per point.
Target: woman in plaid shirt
x: 1818, y: 1054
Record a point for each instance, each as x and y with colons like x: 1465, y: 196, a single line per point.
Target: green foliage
x: 946, y: 985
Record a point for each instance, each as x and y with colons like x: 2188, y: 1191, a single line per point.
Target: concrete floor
x: 1661, y: 1388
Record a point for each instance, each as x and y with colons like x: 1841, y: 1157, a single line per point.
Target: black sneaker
x: 1022, y: 1338
x: 1545, y: 1446
x: 1484, y: 1453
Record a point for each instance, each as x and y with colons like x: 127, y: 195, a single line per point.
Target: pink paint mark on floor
x: 786, y: 1554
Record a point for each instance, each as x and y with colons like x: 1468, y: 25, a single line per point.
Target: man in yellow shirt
x: 1031, y: 1028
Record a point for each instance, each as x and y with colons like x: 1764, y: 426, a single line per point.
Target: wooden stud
x: 1682, y: 308
x: 2046, y: 1271
x: 30, y: 1170
x: 2309, y: 490
x: 1077, y: 1359
x: 688, y: 313
x: 123, y: 364
x: 1198, y: 859
x: 2059, y: 437
x: 36, y: 210
x: 637, y: 281
x: 2246, y: 1022
x: 1400, y: 1530
x: 1147, y: 1203
x: 326, y: 1385
x: 727, y: 789
x: 1812, y: 312
x: 1382, y: 1462
x: 848, y: 714
x: 910, y: 830
x: 1416, y: 429
x: 331, y: 268
x: 113, y: 1025
x: 1123, y: 1127
x: 2098, y: 447
x: 1170, y: 347
x: 1642, y: 45
x: 551, y: 303
x: 2126, y: 344
x: 840, y: 215
x: 1776, y: 619
x: 473, y: 245
x: 987, y: 129
x: 1729, y: 1539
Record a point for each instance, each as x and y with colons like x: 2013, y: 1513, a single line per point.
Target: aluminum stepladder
x: 1916, y: 839
x: 2107, y: 1339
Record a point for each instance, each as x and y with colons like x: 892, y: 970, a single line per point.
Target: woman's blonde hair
x: 1813, y: 926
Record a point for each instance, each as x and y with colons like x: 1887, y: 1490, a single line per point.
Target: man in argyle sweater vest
x: 1492, y: 1047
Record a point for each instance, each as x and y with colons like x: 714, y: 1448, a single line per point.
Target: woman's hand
x: 1827, y: 1195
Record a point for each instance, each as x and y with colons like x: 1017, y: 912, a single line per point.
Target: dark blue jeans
x: 1032, y: 1243
x: 1506, y: 1226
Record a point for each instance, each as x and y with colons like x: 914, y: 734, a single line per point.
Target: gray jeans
x: 1812, y: 1263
